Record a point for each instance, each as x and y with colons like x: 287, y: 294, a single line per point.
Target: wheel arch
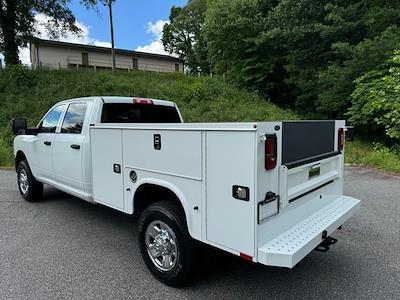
x: 149, y: 191
x: 19, y: 156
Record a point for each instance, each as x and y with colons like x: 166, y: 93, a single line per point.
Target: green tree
x: 365, y: 33
x: 183, y: 35
x: 17, y: 22
x: 303, y: 53
x: 376, y: 99
x: 241, y: 46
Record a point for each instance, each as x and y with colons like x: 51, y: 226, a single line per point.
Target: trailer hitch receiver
x: 327, y: 241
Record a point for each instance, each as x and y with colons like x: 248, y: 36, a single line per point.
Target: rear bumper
x: 288, y: 248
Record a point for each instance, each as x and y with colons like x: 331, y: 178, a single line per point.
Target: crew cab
x: 270, y: 192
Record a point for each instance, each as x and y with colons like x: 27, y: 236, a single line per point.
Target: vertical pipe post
x: 112, y: 36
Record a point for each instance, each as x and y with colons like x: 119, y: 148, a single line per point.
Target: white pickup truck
x: 270, y: 192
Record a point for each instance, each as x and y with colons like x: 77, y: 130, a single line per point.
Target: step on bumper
x: 287, y: 249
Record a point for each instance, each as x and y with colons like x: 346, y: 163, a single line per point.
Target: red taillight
x: 142, y: 101
x: 340, y: 139
x: 270, y: 151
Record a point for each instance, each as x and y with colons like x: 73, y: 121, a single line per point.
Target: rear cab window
x: 139, y: 113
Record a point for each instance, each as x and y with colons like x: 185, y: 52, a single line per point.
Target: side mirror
x: 349, y: 133
x: 19, y: 126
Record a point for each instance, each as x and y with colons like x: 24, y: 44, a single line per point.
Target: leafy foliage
x: 183, y: 35
x: 374, y: 155
x: 302, y: 53
x: 231, y: 29
x: 376, y: 98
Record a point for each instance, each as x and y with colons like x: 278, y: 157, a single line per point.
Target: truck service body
x: 270, y: 192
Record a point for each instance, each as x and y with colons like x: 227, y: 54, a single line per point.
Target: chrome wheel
x: 161, y: 245
x: 23, y: 181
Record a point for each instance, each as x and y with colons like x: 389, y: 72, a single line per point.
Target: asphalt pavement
x: 65, y: 248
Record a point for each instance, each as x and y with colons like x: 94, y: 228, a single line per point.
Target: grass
x: 30, y: 94
x: 373, y: 155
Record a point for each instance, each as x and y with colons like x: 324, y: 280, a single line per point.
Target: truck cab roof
x: 117, y: 99
x: 120, y: 99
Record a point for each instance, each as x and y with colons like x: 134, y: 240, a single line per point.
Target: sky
x: 137, y: 25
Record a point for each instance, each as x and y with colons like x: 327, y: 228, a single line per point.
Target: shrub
x: 376, y: 99
x: 375, y: 155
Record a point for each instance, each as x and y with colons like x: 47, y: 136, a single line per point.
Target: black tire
x: 34, y: 189
x: 170, y: 214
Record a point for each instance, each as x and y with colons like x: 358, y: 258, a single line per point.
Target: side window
x: 74, y: 117
x: 49, y: 123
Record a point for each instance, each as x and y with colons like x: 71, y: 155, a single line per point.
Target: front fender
x: 24, y: 144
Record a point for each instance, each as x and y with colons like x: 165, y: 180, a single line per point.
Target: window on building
x: 135, y: 65
x: 177, y: 67
x: 74, y: 117
x: 85, y: 59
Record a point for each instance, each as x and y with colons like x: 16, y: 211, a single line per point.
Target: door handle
x: 47, y: 143
x: 75, y: 146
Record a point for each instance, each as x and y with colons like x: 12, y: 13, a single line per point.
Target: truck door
x: 69, y: 146
x: 41, y: 161
x: 108, y: 177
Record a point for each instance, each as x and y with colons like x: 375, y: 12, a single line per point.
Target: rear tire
x: 165, y: 243
x: 31, y: 190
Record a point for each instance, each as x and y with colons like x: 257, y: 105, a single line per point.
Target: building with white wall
x: 54, y: 54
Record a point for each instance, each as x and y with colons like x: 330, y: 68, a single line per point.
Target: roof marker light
x: 142, y: 101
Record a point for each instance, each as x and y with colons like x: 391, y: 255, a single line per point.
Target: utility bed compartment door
x: 171, y: 152
x: 106, y: 146
x: 230, y: 160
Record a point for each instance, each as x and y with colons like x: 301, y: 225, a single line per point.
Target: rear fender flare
x: 165, y: 184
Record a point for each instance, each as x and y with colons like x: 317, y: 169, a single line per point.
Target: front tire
x: 165, y: 243
x: 31, y: 190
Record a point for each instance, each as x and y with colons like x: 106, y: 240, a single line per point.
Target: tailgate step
x: 287, y: 249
